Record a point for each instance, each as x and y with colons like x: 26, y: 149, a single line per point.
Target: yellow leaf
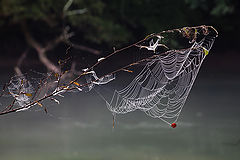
x: 56, y: 75
x: 84, y: 73
x: 205, y: 51
x: 28, y: 94
x: 39, y: 104
x: 76, y: 83
x: 186, y: 31
x: 150, y: 35
x: 196, y: 31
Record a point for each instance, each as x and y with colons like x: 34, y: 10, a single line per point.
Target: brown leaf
x: 126, y: 70
x: 45, y: 109
x: 39, y: 103
x: 28, y: 94
x: 76, y: 83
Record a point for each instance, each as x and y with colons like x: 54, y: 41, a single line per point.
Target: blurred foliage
x: 92, y: 24
x: 110, y: 22
x: 215, y: 7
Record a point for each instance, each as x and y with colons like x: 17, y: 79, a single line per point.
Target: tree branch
x: 78, y: 46
x: 20, y: 61
x: 40, y: 50
x: 61, y: 38
x: 84, y: 48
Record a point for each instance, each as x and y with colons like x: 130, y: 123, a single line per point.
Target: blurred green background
x: 81, y: 126
x: 106, y: 23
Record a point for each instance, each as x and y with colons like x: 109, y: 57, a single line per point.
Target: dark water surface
x: 81, y: 128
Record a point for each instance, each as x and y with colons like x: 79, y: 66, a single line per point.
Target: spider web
x: 159, y: 85
x: 163, y: 85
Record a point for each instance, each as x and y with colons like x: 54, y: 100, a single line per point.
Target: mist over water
x: 81, y: 128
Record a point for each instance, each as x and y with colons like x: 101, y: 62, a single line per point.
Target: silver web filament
x: 162, y: 87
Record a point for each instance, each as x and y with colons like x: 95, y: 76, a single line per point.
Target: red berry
x: 173, y: 125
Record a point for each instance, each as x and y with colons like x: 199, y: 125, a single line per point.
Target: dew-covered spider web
x: 162, y: 86
x: 154, y: 75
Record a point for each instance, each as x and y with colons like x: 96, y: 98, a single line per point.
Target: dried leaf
x: 45, y: 109
x: 113, y: 124
x: 76, y: 83
x: 56, y: 75
x: 28, y: 94
x: 150, y: 35
x: 205, y: 51
x: 39, y: 103
x: 65, y: 72
x: 126, y: 70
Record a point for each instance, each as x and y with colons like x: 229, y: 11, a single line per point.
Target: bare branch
x: 20, y: 61
x: 40, y: 50
x: 61, y: 38
x: 84, y: 48
x: 78, y: 46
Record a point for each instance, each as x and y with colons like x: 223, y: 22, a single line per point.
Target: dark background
x: 107, y: 24
x: 81, y: 126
